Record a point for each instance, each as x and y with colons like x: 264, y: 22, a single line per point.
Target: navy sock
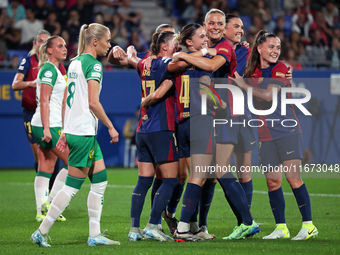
x: 156, y: 184
x: 237, y: 214
x: 248, y: 189
x: 162, y: 198
x: 302, y: 198
x: 208, y: 190
x: 176, y: 197
x: 137, y: 199
x: 55, y: 173
x: 278, y: 205
x: 191, y: 199
x: 233, y: 189
x: 194, y: 216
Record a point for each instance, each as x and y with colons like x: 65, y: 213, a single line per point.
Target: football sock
x: 208, y: 190
x: 95, y: 201
x: 277, y: 203
x: 233, y: 189
x: 58, y: 184
x: 248, y: 189
x: 176, y: 197
x: 41, y: 189
x: 54, y: 174
x: 191, y: 199
x: 60, y: 202
x: 156, y: 184
x: 236, y: 213
x: 138, y: 198
x: 302, y: 198
x: 194, y: 215
x: 162, y: 198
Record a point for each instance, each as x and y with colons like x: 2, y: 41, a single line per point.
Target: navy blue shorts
x: 183, y: 138
x: 28, y: 115
x: 225, y: 133
x: 202, y: 134
x: 245, y: 135
x: 274, y: 153
x: 157, y: 147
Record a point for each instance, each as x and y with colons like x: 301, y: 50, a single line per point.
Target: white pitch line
x: 131, y: 187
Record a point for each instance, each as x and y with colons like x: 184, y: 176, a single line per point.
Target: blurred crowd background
x: 309, y: 29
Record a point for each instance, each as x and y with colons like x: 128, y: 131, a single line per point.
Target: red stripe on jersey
x: 209, y: 147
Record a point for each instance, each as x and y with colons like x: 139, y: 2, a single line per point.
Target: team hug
x: 179, y: 75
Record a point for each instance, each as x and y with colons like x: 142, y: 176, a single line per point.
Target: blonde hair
x: 88, y: 32
x: 212, y: 11
x: 43, y: 55
x: 34, y: 50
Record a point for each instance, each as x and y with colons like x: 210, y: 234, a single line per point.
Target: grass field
x: 17, y: 220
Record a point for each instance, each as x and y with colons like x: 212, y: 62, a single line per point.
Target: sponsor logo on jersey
x: 146, y: 73
x: 21, y: 68
x: 48, y: 74
x: 223, y: 49
x: 46, y: 80
x: 280, y: 74
x: 95, y: 75
x: 97, y: 67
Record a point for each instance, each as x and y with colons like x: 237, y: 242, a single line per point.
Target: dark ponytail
x: 158, y: 39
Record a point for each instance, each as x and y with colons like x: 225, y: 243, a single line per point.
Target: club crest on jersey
x: 97, y: 67
x: 48, y: 74
x: 260, y: 80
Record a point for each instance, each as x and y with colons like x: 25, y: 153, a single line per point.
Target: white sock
x: 58, y: 184
x: 58, y: 205
x: 183, y: 227
x: 95, y: 203
x: 307, y: 222
x: 41, y: 191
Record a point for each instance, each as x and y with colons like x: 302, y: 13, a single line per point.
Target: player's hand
x: 148, y: 61
x: 118, y: 53
x: 245, y: 44
x: 289, y: 75
x: 238, y: 80
x: 114, y: 135
x: 131, y: 51
x: 212, y: 52
x: 62, y: 144
x: 47, y: 135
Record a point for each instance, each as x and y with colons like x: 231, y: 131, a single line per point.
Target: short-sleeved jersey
x: 242, y: 55
x: 188, y: 97
x: 274, y: 74
x: 225, y: 49
x: 29, y: 67
x: 79, y: 119
x: 160, y: 116
x: 49, y: 74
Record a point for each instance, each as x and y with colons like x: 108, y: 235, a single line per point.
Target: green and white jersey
x: 79, y: 119
x: 49, y: 74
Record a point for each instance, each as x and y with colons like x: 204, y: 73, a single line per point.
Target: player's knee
x: 294, y: 182
x: 273, y: 184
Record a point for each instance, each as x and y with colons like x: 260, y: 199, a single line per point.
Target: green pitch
x: 17, y: 220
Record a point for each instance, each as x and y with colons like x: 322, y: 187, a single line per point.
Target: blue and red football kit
x: 159, y: 117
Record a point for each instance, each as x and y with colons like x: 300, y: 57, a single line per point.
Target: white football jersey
x: 79, y: 119
x: 49, y: 74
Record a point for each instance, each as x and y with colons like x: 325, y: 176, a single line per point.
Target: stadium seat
x: 19, y: 53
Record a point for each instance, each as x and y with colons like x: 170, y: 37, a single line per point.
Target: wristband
x: 204, y: 51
